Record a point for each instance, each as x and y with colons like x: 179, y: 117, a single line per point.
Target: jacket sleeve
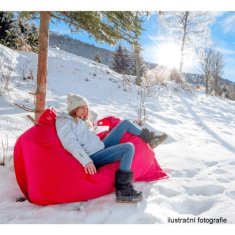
x: 70, y: 142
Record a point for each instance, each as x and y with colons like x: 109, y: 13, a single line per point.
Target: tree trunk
x: 207, y: 81
x: 138, y: 79
x: 42, y: 64
x: 216, y: 85
x: 137, y: 63
x: 183, y: 41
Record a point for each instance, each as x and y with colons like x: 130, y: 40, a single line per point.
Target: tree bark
x: 40, y: 93
x: 137, y: 58
x: 138, y: 79
x: 183, y: 41
x: 207, y: 83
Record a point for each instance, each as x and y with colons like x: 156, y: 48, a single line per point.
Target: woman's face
x: 82, y: 112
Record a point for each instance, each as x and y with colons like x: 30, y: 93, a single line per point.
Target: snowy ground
x: 199, y: 155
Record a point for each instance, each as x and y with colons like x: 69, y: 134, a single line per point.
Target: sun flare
x: 168, y: 55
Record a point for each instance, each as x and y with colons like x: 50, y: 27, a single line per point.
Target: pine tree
x: 121, y: 60
x: 97, y: 58
x: 29, y: 35
x: 33, y: 38
x: 132, y: 64
x: 22, y: 36
x: 7, y: 29
x: 17, y: 34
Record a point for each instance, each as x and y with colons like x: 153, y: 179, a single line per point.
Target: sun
x: 168, y: 55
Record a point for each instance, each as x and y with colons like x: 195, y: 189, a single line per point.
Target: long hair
x: 87, y: 118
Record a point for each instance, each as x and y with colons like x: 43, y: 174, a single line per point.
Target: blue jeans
x: 114, y: 151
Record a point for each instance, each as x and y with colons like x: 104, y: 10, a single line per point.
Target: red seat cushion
x: 48, y: 174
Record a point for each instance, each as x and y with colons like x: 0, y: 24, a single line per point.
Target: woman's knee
x: 125, y: 122
x: 129, y: 147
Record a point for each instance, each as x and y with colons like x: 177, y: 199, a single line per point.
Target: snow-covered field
x: 199, y: 155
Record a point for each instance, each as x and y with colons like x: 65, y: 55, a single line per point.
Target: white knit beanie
x: 75, y: 101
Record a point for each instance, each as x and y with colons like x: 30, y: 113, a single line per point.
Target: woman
x: 78, y: 137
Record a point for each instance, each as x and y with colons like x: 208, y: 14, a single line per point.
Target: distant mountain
x: 198, y: 79
x: 79, y: 48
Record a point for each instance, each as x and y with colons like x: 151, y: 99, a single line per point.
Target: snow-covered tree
x: 189, y: 28
x: 17, y: 34
x: 212, y: 66
x: 121, y: 60
x: 206, y: 66
x: 132, y: 64
x: 7, y: 29
x: 29, y: 34
x: 217, y: 70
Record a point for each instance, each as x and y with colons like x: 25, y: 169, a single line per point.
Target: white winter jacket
x: 78, y: 138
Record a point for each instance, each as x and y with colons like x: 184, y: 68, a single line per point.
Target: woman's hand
x: 90, y: 168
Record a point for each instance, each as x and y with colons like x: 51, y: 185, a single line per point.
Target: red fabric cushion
x: 48, y: 174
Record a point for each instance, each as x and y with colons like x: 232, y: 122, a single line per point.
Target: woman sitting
x: 77, y: 136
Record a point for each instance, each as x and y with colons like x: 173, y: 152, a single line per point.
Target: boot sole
x: 126, y: 201
x: 160, y: 141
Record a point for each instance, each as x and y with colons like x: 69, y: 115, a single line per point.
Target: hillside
x: 85, y: 50
x: 199, y: 155
x: 80, y: 48
x: 88, y: 51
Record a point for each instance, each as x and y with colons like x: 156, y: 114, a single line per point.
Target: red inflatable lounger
x: 48, y: 174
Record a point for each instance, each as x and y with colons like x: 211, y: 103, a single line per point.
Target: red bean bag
x: 48, y: 174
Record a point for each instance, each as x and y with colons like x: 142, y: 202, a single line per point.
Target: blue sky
x: 222, y: 33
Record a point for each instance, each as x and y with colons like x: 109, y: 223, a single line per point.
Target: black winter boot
x: 158, y: 139
x: 146, y: 135
x: 125, y: 191
x: 152, y: 138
